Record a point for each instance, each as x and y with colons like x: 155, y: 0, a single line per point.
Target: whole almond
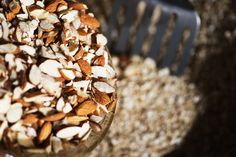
x: 86, y: 108
x: 55, y: 117
x: 45, y: 131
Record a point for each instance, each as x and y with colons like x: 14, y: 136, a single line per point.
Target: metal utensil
x: 186, y: 18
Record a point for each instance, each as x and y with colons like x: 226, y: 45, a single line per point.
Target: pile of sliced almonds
x: 56, y: 78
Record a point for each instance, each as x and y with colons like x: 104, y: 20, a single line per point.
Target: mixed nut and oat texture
x: 155, y: 112
x: 56, y: 77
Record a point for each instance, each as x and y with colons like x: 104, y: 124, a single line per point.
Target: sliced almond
x: 5, y: 104
x: 24, y: 140
x: 82, y: 32
x: 78, y: 6
x: 55, y: 117
x: 102, y: 98
x: 96, y: 119
x: 35, y: 75
x: 67, y: 108
x: 3, y: 126
x: 79, y: 54
x: 45, y: 131
x: 99, y: 71
x: 14, y: 113
x: 67, y: 74
x: 37, y: 97
x: 84, y: 66
x: 101, y: 39
x: 27, y: 2
x: 30, y: 119
x: 81, y: 99
x: 68, y: 132
x: 51, y: 67
x: 89, y: 21
x: 52, y: 7
x: 51, y: 37
x: 112, y: 106
x: 51, y: 85
x: 84, y: 129
x: 9, y: 48
x: 60, y: 104
x: 10, y: 16
x: 46, y: 26
x: 6, y: 30
x: 81, y: 85
x: 104, y: 87
x: 75, y: 120
x: 28, y: 49
x: 86, y: 108
x: 100, y: 61
x: 38, y: 12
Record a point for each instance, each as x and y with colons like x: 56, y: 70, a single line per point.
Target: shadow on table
x: 214, y: 131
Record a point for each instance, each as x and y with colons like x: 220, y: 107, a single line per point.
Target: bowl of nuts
x: 57, y: 83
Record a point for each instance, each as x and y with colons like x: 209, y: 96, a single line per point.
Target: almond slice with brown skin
x: 67, y: 74
x: 86, y: 108
x: 112, y: 106
x: 100, y: 61
x: 10, y: 16
x: 15, y: 7
x: 52, y: 7
x: 75, y: 120
x: 82, y: 32
x: 102, y: 98
x: 84, y: 66
x: 51, y: 67
x: 55, y: 117
x: 90, y: 21
x: 30, y: 119
x: 9, y: 48
x: 104, y: 87
x: 45, y: 131
x: 78, y: 6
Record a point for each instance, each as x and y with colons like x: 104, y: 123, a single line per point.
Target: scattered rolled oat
x: 52, y: 87
x: 155, y: 111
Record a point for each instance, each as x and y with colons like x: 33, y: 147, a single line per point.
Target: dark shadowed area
x: 214, y: 72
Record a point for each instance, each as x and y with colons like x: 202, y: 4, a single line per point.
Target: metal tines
x: 161, y: 29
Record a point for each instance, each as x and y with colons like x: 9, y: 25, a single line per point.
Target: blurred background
x: 160, y: 114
